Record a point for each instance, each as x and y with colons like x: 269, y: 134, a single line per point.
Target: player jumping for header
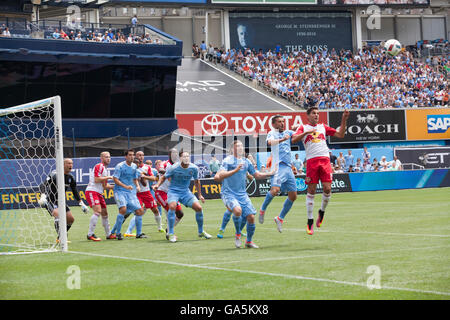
x: 318, y: 166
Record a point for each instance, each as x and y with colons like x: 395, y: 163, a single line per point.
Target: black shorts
x: 51, y: 207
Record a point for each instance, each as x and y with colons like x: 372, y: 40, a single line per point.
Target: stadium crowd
x: 108, y: 37
x: 340, y: 164
x: 340, y: 79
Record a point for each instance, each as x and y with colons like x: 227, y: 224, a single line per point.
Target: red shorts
x: 318, y: 169
x: 146, y: 198
x: 161, y: 197
x: 94, y: 199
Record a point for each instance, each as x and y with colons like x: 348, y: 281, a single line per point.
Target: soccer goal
x: 31, y: 147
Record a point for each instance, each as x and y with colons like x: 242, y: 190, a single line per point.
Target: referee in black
x: 49, y: 195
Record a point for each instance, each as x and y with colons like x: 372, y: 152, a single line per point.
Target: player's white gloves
x: 84, y: 207
x: 42, y: 200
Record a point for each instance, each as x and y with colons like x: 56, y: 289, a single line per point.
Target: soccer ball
x: 392, y: 47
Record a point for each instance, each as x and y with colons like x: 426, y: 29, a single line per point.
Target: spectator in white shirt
x: 383, y: 161
x: 396, y: 164
x: 6, y: 32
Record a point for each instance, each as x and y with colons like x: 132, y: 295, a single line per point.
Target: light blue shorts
x: 244, y: 202
x: 284, y: 178
x: 186, y: 198
x: 127, y: 199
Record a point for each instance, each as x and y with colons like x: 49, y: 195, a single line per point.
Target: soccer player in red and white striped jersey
x: 98, y: 181
x: 318, y: 166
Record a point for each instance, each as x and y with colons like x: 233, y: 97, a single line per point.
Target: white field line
x: 280, y: 275
x: 258, y: 227
x: 323, y: 255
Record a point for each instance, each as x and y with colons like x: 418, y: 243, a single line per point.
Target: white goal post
x: 31, y: 148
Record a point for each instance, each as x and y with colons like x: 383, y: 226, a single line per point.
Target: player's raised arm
x: 341, y: 132
x: 274, y: 142
x: 121, y: 184
x: 298, y: 137
x: 223, y: 174
x: 263, y: 175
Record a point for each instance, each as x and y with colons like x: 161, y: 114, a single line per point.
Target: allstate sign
x: 301, y: 184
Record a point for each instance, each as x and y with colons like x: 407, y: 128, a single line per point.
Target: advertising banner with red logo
x: 217, y: 124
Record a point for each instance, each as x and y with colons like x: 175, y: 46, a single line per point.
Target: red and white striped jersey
x: 98, y: 171
x: 165, y: 185
x: 147, y: 170
x: 316, y: 143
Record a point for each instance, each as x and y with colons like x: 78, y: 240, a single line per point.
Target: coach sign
x: 370, y: 126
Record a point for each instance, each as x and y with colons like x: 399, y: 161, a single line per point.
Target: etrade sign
x: 370, y: 125
x: 428, y: 124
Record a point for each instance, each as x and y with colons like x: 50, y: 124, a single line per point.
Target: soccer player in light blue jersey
x: 180, y: 175
x: 233, y: 175
x: 126, y: 178
x: 279, y: 140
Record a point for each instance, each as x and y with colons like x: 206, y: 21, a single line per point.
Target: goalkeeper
x: 49, y: 195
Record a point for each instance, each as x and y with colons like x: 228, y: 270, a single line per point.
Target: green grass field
x: 405, y: 234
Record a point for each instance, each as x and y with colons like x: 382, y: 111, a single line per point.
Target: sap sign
x: 438, y: 123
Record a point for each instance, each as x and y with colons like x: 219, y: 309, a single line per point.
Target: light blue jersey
x: 236, y: 184
x: 234, y: 193
x: 126, y: 174
x: 124, y: 197
x: 181, y: 177
x: 282, y: 151
x: 180, y: 180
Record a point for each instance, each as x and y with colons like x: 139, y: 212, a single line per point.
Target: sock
x: 250, y: 231
x: 68, y: 227
x: 138, y: 222
x: 171, y: 220
x: 119, y: 221
x: 57, y: 227
x: 237, y: 223
x: 105, y: 223
x: 325, y: 200
x: 243, y: 223
x: 309, y: 205
x: 132, y: 225
x: 286, y: 207
x: 92, y: 224
x: 199, y: 219
x: 158, y: 220
x: 225, y: 220
x: 267, y: 201
x: 114, y: 228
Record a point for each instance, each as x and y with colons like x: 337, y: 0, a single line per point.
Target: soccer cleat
x: 141, y: 236
x: 320, y: 218
x: 310, y: 227
x: 237, y: 241
x: 119, y: 236
x: 261, y: 216
x: 279, y: 223
x: 161, y: 229
x: 93, y: 237
x: 220, y: 234
x: 129, y: 235
x: 205, y: 235
x: 111, y: 236
x: 172, y: 238
x: 251, y: 244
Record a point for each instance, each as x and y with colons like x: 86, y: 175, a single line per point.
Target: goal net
x: 30, y: 150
